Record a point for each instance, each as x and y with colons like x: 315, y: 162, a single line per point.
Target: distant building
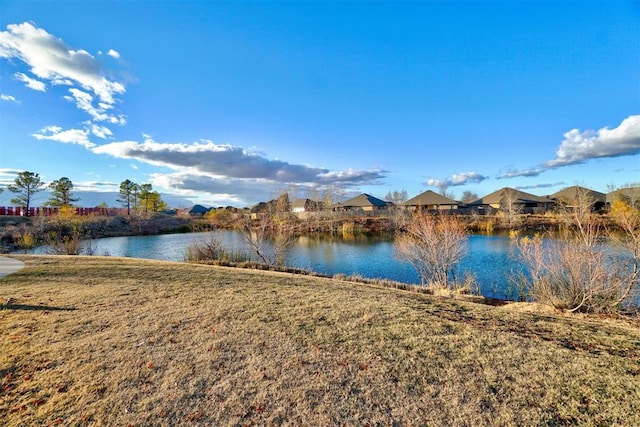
x: 576, y: 196
x: 198, y: 210
x: 431, y: 200
x: 363, y: 202
x: 305, y: 205
x: 510, y: 198
x: 631, y: 195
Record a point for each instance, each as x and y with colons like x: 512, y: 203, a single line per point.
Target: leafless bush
x: 269, y: 239
x: 72, y: 243
x: 433, y: 245
x: 208, y: 249
x: 578, y: 271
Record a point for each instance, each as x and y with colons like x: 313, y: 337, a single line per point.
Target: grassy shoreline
x: 118, y: 341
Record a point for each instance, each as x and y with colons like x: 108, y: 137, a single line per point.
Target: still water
x: 489, y: 258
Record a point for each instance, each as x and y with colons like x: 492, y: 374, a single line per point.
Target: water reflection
x: 489, y: 259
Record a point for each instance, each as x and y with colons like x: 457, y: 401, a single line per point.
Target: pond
x: 489, y: 258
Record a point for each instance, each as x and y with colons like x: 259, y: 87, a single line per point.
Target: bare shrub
x: 72, y: 243
x: 269, y: 239
x: 206, y: 250
x: 68, y: 234
x: 433, y: 245
x: 627, y: 237
x: 578, y: 271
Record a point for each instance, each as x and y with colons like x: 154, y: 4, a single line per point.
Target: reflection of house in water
x: 512, y: 200
x: 430, y: 200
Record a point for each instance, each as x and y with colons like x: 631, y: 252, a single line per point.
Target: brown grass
x: 113, y: 341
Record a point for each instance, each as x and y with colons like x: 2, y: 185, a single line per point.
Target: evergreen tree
x: 61, y: 193
x: 127, y: 195
x: 25, y: 186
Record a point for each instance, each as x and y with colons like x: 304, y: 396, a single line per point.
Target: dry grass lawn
x: 113, y: 341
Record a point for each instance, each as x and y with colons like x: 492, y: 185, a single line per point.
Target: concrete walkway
x: 9, y: 265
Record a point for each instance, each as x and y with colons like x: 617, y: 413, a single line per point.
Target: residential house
x: 431, y: 200
x: 363, y: 202
x: 512, y: 200
x: 631, y: 195
x: 576, y: 196
x: 198, y: 210
x: 305, y: 205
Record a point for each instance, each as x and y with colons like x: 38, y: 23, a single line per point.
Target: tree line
x: 133, y: 196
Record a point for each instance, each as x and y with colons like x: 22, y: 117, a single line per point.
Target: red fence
x: 47, y: 211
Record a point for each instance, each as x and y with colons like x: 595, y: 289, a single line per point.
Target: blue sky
x: 229, y: 103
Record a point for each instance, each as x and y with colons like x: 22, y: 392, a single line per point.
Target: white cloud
x: 114, y: 54
x: 214, y: 160
x: 69, y: 136
x: 50, y: 59
x: 541, y: 185
x: 456, y: 179
x: 100, y: 131
x: 96, y: 186
x: 514, y: 173
x: 580, y: 146
x: 8, y: 98
x: 30, y: 82
x: 84, y: 102
x: 230, y: 173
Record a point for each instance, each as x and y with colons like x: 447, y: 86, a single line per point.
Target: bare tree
x: 433, y: 245
x: 577, y: 272
x: 397, y: 197
x: 269, y: 237
x: 468, y: 196
x: 510, y: 205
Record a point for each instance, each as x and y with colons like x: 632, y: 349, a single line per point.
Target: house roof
x: 520, y: 197
x: 263, y: 206
x: 429, y: 198
x: 573, y: 193
x: 198, y: 210
x: 363, y: 200
x: 631, y: 193
x: 304, y: 203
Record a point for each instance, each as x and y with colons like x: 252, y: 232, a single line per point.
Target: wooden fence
x: 51, y: 211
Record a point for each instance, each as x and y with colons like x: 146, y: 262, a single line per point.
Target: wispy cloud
x: 8, y: 98
x: 30, y: 82
x: 51, y: 62
x: 84, y: 101
x: 582, y: 146
x: 456, y: 180
x: 514, y: 173
x: 50, y: 59
x: 541, y: 185
x: 69, y: 136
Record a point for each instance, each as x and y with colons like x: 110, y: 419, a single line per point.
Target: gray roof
x: 630, y: 193
x: 520, y: 197
x: 363, y: 200
x: 429, y: 198
x: 571, y: 194
x: 198, y: 210
x: 305, y: 203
